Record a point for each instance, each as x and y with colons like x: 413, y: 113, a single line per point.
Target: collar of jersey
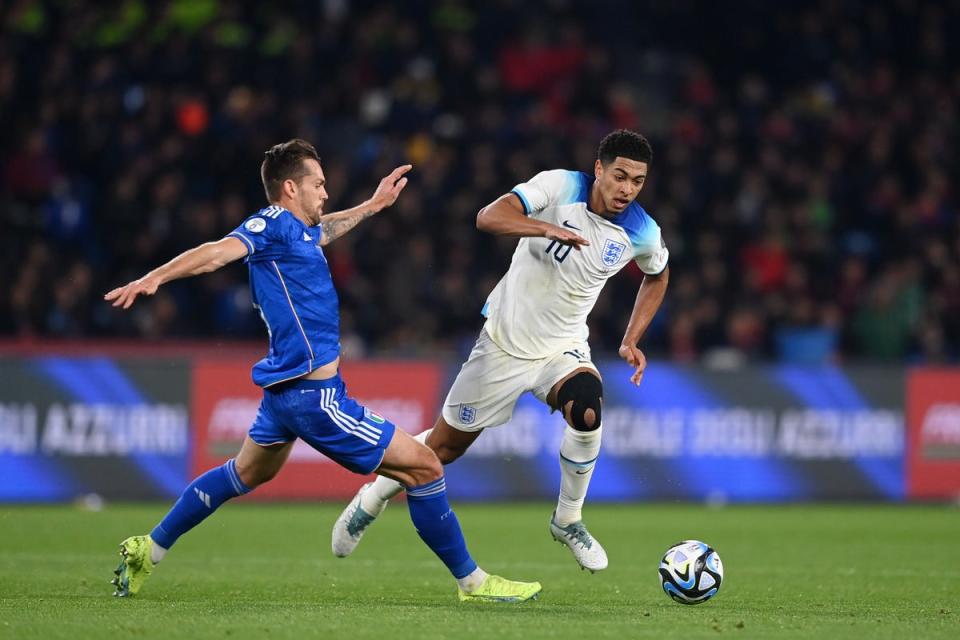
x: 626, y: 219
x: 284, y: 210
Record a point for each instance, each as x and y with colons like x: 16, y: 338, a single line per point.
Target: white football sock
x: 471, y: 582
x: 422, y: 436
x: 374, y: 500
x: 156, y: 552
x: 578, y: 456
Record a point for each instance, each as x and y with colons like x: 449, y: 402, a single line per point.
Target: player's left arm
x: 649, y: 298
x: 336, y: 224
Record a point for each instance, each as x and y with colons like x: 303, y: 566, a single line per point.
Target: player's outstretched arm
x: 505, y: 217
x: 648, y: 301
x: 336, y: 224
x: 207, y: 257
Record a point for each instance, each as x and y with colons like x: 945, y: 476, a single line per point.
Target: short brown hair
x: 284, y: 161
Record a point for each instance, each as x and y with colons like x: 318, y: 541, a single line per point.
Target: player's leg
x: 579, y: 396
x: 445, y: 441
x: 448, y: 442
x: 364, y: 442
x: 253, y: 466
x: 261, y: 456
x: 416, y: 468
x: 476, y: 400
x: 419, y: 470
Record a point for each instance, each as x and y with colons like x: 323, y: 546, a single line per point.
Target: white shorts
x: 491, y: 381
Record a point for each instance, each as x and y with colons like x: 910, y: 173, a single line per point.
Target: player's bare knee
x: 434, y: 469
x: 590, y: 419
x: 248, y: 477
x: 581, y: 398
x: 425, y: 467
x: 254, y: 475
x: 428, y: 470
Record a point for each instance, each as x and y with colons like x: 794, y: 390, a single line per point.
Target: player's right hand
x: 126, y: 294
x: 566, y: 237
x: 390, y: 187
x: 635, y: 359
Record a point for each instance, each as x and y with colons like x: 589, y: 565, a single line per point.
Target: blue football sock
x: 199, y: 500
x: 438, y: 526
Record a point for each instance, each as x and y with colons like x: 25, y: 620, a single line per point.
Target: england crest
x: 612, y: 252
x: 467, y: 414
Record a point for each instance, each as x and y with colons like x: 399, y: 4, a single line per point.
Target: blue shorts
x: 321, y: 413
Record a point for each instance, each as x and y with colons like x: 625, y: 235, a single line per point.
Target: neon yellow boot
x: 497, y: 589
x: 135, y: 565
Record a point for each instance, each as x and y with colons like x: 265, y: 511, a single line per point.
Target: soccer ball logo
x: 691, y: 572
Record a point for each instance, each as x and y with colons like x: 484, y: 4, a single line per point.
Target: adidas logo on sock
x: 204, y: 497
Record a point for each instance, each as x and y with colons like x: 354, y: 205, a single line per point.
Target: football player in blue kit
x: 303, y: 393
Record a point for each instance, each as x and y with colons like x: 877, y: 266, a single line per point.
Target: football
x: 691, y: 572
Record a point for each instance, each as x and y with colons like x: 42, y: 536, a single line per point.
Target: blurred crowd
x: 806, y: 157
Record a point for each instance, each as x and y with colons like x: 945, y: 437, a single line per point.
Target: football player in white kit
x: 575, y: 231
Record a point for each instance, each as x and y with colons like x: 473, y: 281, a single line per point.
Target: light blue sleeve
x: 548, y: 188
x: 649, y: 250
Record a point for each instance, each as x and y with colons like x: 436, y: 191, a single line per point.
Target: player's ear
x: 597, y: 169
x: 290, y: 187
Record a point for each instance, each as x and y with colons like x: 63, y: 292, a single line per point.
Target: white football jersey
x: 540, y: 306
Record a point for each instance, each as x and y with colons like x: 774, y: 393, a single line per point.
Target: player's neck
x: 295, y: 210
x: 595, y: 203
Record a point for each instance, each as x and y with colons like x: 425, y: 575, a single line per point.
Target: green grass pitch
x: 266, y: 571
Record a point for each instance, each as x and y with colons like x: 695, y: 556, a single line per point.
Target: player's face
x: 620, y: 182
x: 312, y: 191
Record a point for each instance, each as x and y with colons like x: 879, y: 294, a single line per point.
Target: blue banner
x: 777, y: 433
x: 73, y: 427
x: 120, y: 428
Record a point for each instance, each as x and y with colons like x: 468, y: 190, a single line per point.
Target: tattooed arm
x: 335, y: 225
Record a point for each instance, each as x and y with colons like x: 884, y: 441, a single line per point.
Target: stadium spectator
x: 806, y: 191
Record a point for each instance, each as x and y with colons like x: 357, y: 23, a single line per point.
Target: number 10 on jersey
x: 561, y: 252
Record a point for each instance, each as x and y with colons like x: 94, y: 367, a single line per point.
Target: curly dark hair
x: 284, y: 161
x: 625, y: 144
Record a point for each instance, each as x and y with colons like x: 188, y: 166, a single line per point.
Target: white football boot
x: 350, y: 526
x: 585, y: 548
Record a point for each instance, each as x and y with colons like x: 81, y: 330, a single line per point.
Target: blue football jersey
x: 291, y: 286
